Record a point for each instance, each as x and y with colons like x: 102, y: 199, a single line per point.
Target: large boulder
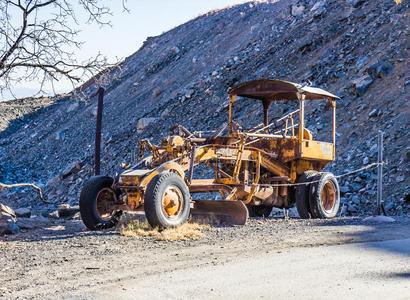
x: 362, y: 84
x: 71, y: 169
x: 7, y: 220
x: 380, y: 69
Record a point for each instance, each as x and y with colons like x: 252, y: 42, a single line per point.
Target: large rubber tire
x: 88, y: 203
x: 324, y: 196
x: 302, y: 194
x: 259, y: 211
x: 153, y: 202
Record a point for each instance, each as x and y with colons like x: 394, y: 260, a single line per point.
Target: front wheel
x: 98, y: 202
x: 167, y: 201
x: 324, y: 196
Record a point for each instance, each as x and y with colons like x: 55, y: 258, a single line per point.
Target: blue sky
x: 129, y: 30
x: 146, y: 18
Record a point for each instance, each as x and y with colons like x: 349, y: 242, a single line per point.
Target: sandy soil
x: 64, y: 259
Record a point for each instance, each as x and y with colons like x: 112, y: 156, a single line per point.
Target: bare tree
x: 38, y: 41
x: 39, y: 38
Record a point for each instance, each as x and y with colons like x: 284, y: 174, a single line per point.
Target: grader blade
x: 220, y: 212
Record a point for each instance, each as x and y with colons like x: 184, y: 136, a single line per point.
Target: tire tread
x: 152, y: 200
x: 302, y: 194
x: 88, y: 205
x: 314, y: 196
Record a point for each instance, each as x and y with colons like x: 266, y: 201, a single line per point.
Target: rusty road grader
x: 274, y: 164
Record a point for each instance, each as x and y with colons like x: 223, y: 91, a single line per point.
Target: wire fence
x: 381, y: 163
x: 43, y: 198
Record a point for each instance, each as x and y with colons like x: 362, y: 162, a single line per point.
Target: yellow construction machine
x: 242, y: 172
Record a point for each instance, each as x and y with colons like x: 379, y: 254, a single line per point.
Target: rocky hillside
x: 357, y: 49
x: 13, y: 113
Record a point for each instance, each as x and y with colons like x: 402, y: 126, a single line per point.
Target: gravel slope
x: 360, y: 52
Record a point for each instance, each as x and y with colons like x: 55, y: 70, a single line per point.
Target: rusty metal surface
x: 244, y: 163
x: 276, y: 90
x: 208, y: 185
x: 226, y: 212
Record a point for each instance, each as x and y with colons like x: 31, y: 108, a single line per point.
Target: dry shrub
x: 187, y: 231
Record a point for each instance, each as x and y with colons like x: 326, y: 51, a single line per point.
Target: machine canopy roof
x: 275, y: 90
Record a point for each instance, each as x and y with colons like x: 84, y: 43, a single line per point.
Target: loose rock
x: 144, y: 122
x: 373, y: 113
x: 23, y: 212
x: 356, y: 3
x: 297, y: 10
x: 362, y: 84
x: 7, y: 220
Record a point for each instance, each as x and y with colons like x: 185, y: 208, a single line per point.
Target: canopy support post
x: 266, y: 105
x: 334, y: 127
x: 301, y: 98
x: 232, y: 99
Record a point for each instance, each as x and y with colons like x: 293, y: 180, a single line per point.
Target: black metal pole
x: 98, y: 128
x: 380, y: 203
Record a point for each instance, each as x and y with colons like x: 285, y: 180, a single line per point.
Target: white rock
x: 189, y: 93
x: 175, y: 49
x: 165, y: 112
x: 93, y: 111
x: 318, y: 5
x: 143, y: 123
x: 73, y: 107
x: 297, y: 10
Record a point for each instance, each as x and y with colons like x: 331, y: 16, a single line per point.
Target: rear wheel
x: 167, y: 201
x: 98, y: 203
x: 302, y: 194
x: 324, y: 196
x: 259, y: 210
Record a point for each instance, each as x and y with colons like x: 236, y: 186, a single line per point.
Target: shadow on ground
x: 56, y: 230
x: 277, y: 232
x: 376, y: 235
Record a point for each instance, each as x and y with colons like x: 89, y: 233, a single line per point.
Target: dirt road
x: 265, y: 259
x: 345, y: 271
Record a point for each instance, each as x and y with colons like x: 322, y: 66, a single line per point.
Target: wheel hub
x: 106, y: 203
x: 328, y: 196
x: 172, y: 201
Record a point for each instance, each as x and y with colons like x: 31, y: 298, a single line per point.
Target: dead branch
x: 38, y: 39
x: 30, y: 185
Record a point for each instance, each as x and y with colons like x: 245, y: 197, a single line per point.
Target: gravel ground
x: 63, y: 257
